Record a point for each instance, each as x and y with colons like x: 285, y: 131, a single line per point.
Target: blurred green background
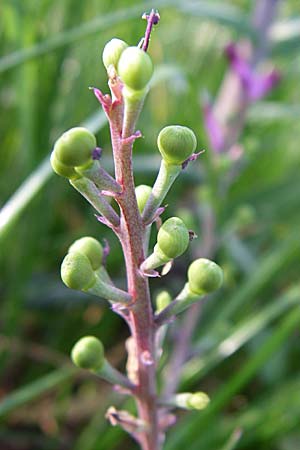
x: 246, y: 349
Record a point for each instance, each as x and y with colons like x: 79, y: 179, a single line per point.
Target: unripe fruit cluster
x: 78, y: 266
x: 73, y: 149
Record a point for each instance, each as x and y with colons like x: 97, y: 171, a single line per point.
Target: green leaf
x: 35, y: 389
x: 199, y: 366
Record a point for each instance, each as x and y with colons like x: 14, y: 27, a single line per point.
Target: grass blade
x: 33, y: 390
x: 197, y: 424
x: 198, y: 367
x: 227, y: 15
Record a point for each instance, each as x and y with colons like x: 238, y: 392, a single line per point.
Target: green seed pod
x: 88, y: 353
x: 173, y: 238
x: 75, y: 146
x: 112, y: 52
x: 176, y: 144
x: 61, y: 169
x: 204, y: 276
x: 135, y: 68
x: 142, y: 193
x: 77, y: 272
x: 91, y: 248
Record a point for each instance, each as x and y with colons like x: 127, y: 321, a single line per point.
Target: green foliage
x: 247, y: 340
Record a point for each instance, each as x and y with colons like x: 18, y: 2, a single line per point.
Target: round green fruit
x: 77, y: 272
x: 176, y: 144
x: 91, y: 248
x: 204, y: 276
x: 173, y: 237
x: 135, y: 68
x: 75, y: 146
x: 61, y: 169
x: 88, y: 353
x: 112, y: 52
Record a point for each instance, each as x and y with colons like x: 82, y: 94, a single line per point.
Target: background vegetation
x: 246, y: 346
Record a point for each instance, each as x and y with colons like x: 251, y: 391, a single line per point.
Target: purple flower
x: 256, y: 85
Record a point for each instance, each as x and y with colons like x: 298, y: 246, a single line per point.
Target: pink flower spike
x: 255, y: 85
x: 262, y: 84
x: 239, y: 64
x: 214, y: 130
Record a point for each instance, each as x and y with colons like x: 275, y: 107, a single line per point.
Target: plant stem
x: 140, y: 317
x: 166, y: 176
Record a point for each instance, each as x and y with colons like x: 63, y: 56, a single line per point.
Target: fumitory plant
x: 130, y: 216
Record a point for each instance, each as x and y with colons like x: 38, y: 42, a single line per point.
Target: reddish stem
x: 140, y: 318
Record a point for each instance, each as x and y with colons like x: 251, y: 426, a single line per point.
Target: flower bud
x: 176, y: 144
x: 204, y: 276
x: 196, y: 400
x: 163, y: 299
x: 112, y: 52
x: 91, y: 248
x: 75, y: 146
x: 88, y: 353
x: 142, y: 193
x: 135, y: 68
x: 77, y: 272
x: 61, y: 169
x: 173, y: 238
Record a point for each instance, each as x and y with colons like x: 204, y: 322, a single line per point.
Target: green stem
x: 91, y: 193
x: 100, y: 177
x: 133, y: 103
x: 112, y: 375
x: 154, y: 260
x: 109, y: 292
x: 183, y: 300
x: 166, y: 176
